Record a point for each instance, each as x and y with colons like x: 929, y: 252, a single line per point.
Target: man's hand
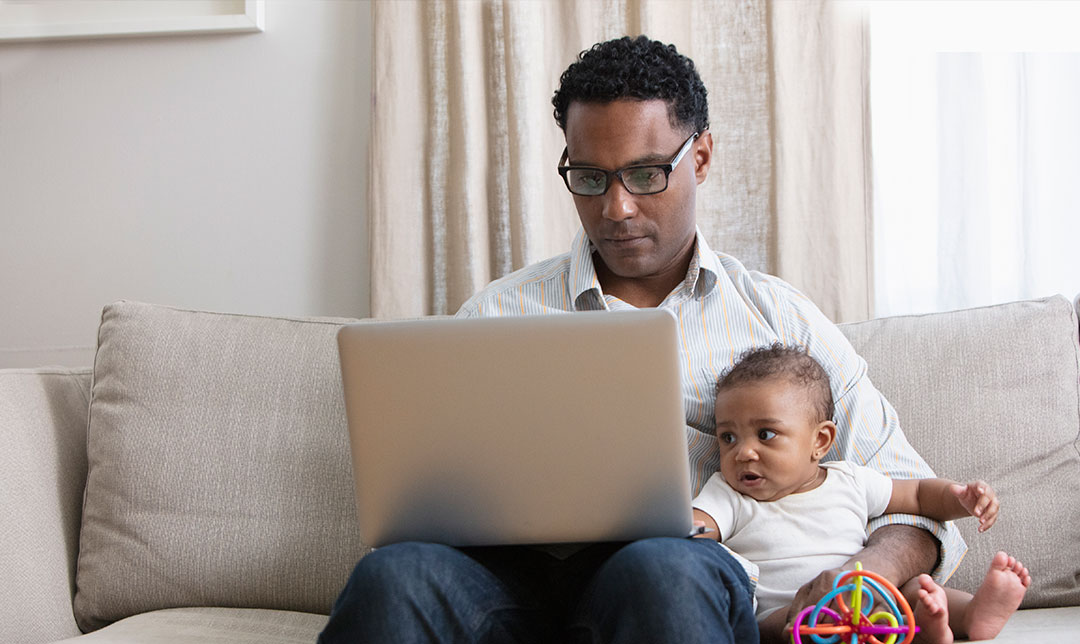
x: 811, y: 592
x: 896, y: 552
x: 980, y: 501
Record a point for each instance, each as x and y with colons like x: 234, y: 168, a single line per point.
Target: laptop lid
x: 539, y: 429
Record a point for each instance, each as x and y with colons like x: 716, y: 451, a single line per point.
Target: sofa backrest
x: 219, y: 471
x: 42, y: 472
x: 993, y: 393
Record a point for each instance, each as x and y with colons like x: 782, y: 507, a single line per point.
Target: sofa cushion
x: 992, y: 393
x: 209, y: 626
x: 42, y: 471
x: 1041, y: 626
x: 219, y: 471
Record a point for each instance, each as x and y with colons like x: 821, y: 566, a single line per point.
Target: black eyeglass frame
x: 667, y: 169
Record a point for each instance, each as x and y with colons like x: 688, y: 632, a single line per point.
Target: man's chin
x: 629, y: 262
x: 629, y: 268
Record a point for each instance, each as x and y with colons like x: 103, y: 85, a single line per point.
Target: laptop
x: 522, y: 430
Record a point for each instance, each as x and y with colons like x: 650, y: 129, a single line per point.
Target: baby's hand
x: 980, y: 500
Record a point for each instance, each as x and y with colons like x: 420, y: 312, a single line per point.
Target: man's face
x: 638, y: 237
x: 768, y: 438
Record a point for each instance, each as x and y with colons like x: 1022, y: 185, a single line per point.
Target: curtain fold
x: 822, y: 165
x: 464, y: 146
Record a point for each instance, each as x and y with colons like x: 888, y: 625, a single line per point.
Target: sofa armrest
x: 43, y: 418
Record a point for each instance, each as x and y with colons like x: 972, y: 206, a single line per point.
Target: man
x: 635, y: 117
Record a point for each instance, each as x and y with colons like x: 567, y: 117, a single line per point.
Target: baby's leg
x: 982, y: 616
x: 931, y: 608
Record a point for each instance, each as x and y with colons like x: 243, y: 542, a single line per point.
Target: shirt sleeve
x: 469, y: 309
x: 869, y: 430
x: 877, y: 486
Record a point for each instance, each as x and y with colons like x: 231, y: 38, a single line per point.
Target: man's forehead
x: 621, y: 113
x: 628, y: 129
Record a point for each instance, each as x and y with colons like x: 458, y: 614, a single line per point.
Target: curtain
x: 464, y: 146
x: 976, y: 158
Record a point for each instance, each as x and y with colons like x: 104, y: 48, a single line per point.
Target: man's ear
x: 702, y: 156
x: 824, y: 435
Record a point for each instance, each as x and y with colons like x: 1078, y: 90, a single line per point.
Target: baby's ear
x: 824, y: 435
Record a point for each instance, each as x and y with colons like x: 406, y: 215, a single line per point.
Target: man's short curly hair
x: 637, y: 68
x: 792, y: 364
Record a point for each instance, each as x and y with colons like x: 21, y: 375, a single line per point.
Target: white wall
x: 224, y: 172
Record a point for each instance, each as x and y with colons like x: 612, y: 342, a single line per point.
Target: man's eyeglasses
x: 637, y: 179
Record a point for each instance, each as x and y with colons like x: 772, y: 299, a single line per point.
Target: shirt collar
x: 585, y: 286
x: 704, y: 268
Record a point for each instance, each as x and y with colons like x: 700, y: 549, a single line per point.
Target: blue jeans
x: 653, y: 590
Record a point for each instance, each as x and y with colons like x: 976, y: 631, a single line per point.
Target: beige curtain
x: 464, y: 146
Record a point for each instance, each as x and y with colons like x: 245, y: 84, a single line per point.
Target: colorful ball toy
x: 854, y: 620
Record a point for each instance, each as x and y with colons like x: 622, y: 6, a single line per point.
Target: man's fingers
x: 798, y: 602
x: 811, y: 592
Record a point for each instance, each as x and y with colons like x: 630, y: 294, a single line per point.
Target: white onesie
x: 795, y: 538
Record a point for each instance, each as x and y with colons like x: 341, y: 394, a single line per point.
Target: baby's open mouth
x: 749, y: 477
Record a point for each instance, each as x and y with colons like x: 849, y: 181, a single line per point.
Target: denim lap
x: 653, y: 590
x: 423, y: 592
x: 668, y: 590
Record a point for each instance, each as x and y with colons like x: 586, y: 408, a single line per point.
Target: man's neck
x: 640, y: 292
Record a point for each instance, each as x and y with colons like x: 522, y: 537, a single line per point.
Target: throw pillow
x: 219, y: 470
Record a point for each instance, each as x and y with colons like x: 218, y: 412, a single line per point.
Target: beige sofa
x: 195, y: 485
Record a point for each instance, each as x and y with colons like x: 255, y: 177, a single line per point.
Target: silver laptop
x: 525, y: 430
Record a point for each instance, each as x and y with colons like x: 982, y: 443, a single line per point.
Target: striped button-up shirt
x: 724, y: 310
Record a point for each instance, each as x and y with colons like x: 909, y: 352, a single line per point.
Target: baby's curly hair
x: 637, y: 68
x: 790, y: 363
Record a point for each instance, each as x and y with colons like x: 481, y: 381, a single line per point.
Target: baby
x: 775, y: 503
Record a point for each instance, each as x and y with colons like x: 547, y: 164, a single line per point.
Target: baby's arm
x: 716, y: 505
x: 945, y: 500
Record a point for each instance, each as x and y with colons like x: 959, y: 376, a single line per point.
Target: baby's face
x: 767, y: 435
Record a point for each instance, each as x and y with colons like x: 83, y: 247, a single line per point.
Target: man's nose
x: 618, y: 203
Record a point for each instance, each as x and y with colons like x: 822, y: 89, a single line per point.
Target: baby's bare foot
x: 997, y: 598
x: 932, y: 613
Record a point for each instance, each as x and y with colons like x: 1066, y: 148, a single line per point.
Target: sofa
x: 195, y: 484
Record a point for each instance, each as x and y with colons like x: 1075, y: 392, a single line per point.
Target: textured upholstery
x: 991, y: 394
x: 219, y: 471
x: 1041, y: 626
x: 210, y: 626
x: 42, y: 470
